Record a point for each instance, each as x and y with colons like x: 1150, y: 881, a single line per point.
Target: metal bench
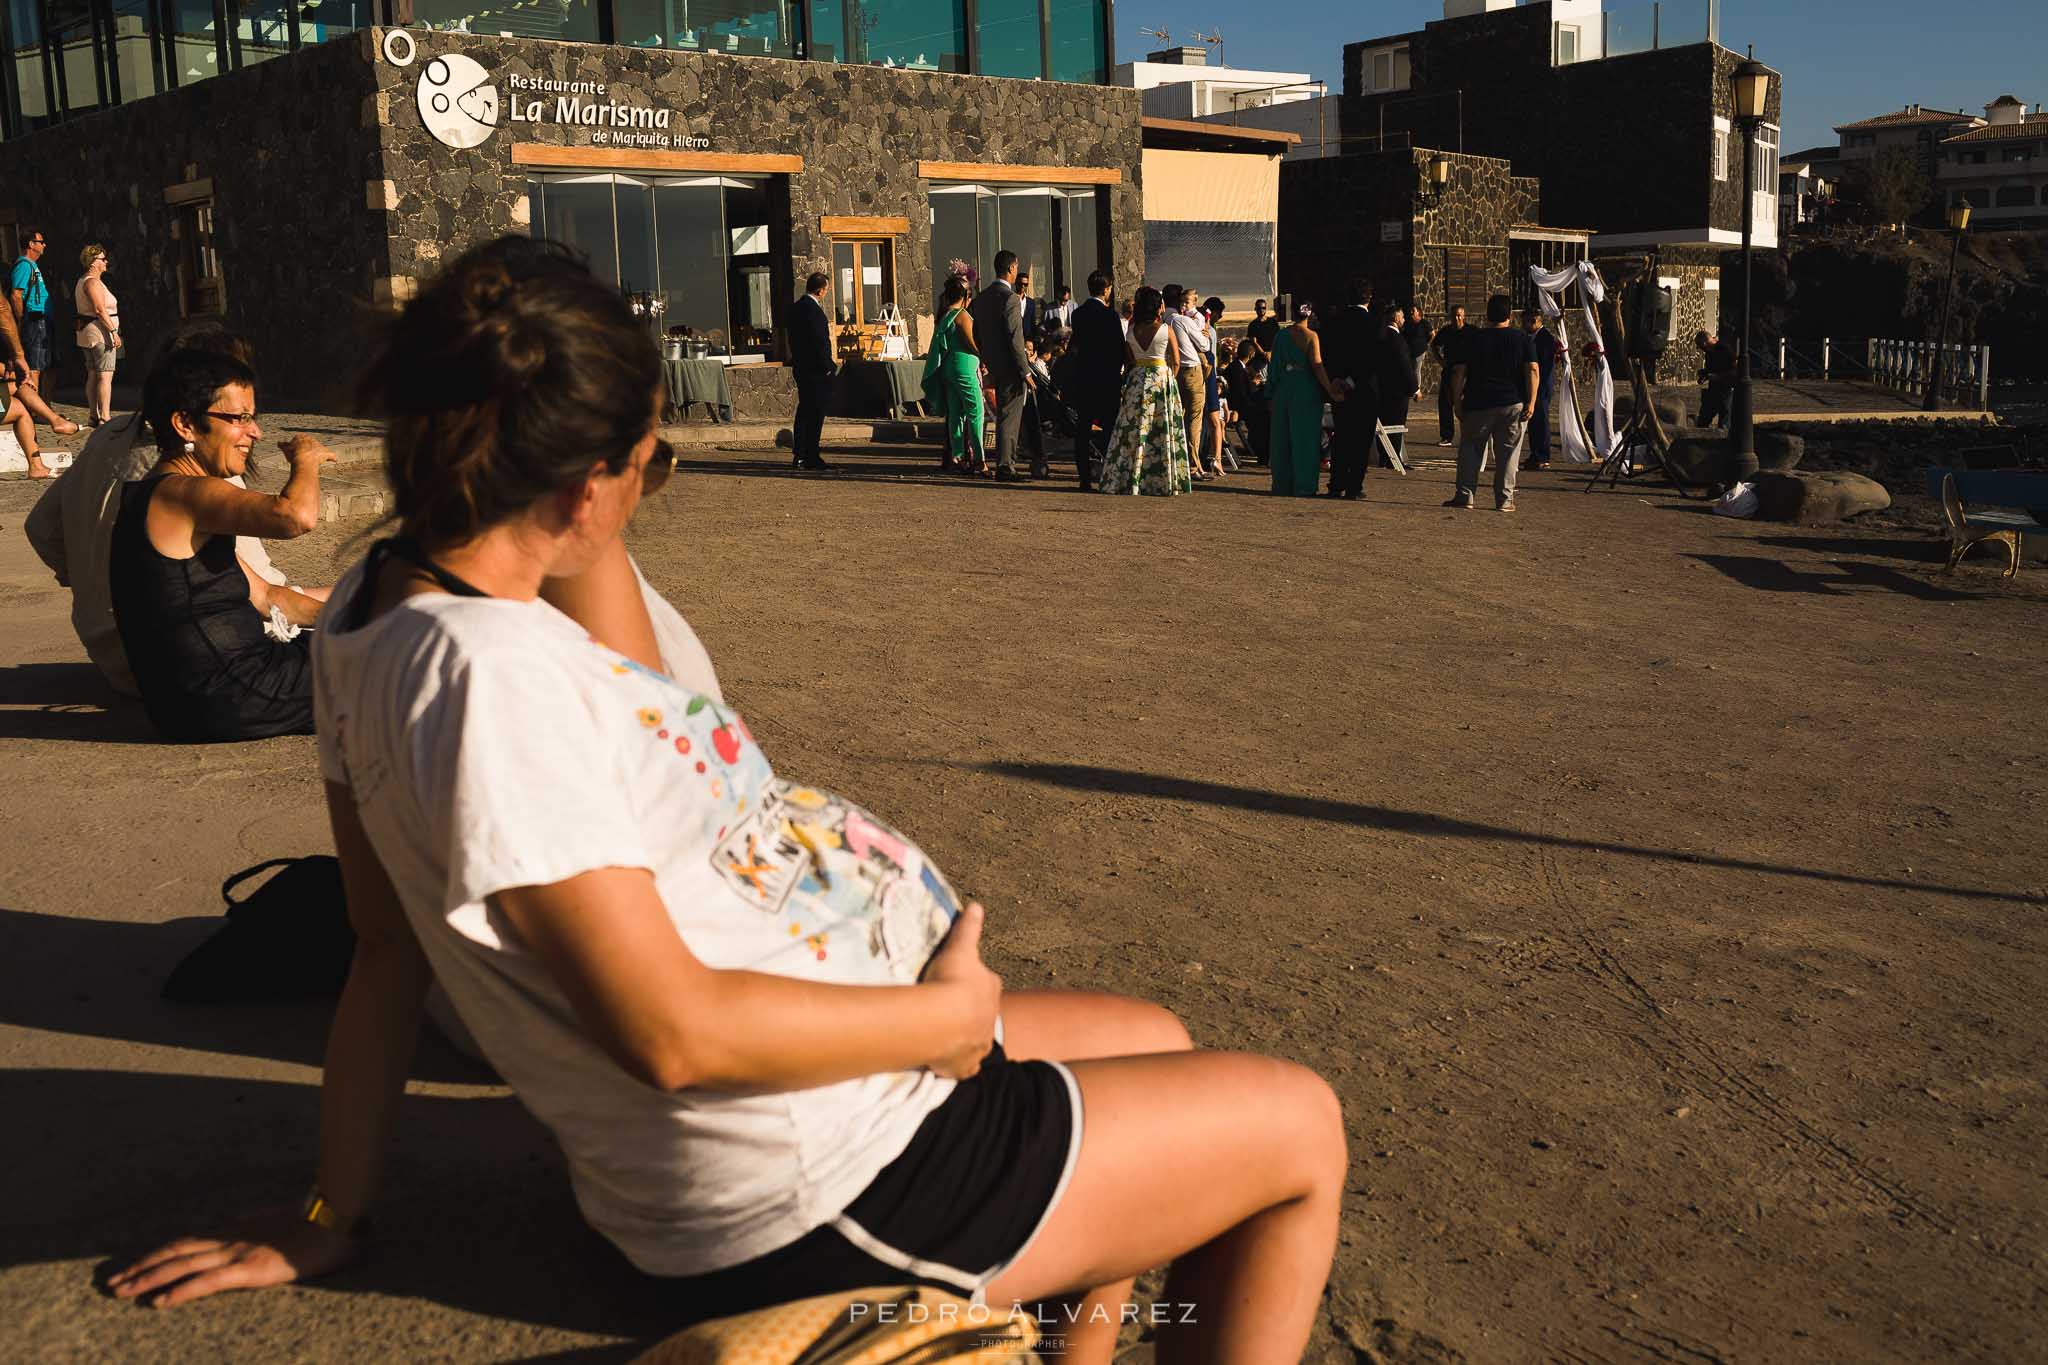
x: 2010, y: 505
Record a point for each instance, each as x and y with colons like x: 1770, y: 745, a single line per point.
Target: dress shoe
x: 1459, y: 501
x: 813, y: 464
x: 1011, y: 476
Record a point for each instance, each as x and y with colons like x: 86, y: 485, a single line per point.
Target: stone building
x: 707, y: 167
x: 1621, y: 112
x: 2001, y: 168
x: 1384, y: 216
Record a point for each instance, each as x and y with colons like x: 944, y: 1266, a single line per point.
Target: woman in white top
x: 1148, y: 445
x: 754, y: 1015
x: 98, y: 315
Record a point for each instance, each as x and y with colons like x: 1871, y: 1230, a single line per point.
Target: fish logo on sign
x: 457, y: 101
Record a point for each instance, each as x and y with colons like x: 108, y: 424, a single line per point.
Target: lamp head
x: 1751, y: 84
x: 1959, y: 217
x: 1439, y: 172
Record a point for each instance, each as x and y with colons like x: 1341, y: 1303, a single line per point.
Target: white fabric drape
x: 1550, y: 284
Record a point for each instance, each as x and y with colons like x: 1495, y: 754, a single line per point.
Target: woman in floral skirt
x: 1148, y: 447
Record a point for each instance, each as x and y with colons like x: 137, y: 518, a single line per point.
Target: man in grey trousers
x: 998, y: 314
x: 1495, y: 380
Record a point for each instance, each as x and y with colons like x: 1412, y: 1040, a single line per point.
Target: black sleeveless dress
x: 205, y: 669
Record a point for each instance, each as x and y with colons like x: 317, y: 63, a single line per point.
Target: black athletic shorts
x: 955, y: 1210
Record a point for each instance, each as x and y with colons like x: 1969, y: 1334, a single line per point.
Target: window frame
x: 1399, y: 58
x: 857, y: 240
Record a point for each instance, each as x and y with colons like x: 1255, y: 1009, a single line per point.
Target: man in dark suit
x: 1034, y: 311
x: 998, y: 316
x: 810, y: 355
x: 1351, y: 357
x: 1398, y: 381
x: 1097, y: 351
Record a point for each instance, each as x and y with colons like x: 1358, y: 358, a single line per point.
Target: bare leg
x: 31, y: 398
x: 1230, y: 1166
x: 103, y: 392
x: 25, y: 433
x: 1073, y: 1026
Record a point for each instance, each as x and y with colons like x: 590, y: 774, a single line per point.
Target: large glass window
x: 1052, y: 228
x: 923, y: 35
x: 1080, y: 47
x: 702, y: 245
x: 689, y: 234
x: 80, y: 81
x: 192, y: 47
x: 826, y: 37
x: 1010, y: 39
x: 756, y: 28
x: 137, y: 68
x: 264, y: 30
x: 31, y: 78
x: 560, y: 20
x: 320, y: 20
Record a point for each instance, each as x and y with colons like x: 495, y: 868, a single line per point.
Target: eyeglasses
x: 240, y: 419
x: 659, y: 466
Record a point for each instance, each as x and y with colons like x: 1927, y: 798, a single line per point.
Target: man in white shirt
x: 1064, y: 309
x: 1191, y: 335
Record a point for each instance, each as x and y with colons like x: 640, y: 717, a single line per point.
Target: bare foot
x: 63, y: 428
x: 37, y: 469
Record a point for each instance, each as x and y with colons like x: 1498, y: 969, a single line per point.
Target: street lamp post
x: 1750, y: 83
x: 1959, y: 222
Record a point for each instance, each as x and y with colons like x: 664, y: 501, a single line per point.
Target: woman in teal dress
x: 1299, y: 386
x: 952, y: 378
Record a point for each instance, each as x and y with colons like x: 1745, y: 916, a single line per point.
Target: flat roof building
x: 707, y: 159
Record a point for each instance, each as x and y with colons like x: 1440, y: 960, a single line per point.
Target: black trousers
x: 1093, y: 407
x: 1714, y: 402
x: 813, y: 396
x: 1351, y: 443
x: 1538, y: 451
x: 1446, y: 416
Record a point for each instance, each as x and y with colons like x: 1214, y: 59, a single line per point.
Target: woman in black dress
x: 192, y: 615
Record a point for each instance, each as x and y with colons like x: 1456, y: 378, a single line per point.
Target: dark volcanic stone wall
x: 1623, y: 145
x: 1332, y: 210
x: 1331, y: 213
x: 285, y: 145
x: 861, y: 131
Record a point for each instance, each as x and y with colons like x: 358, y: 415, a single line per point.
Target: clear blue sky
x: 1842, y: 59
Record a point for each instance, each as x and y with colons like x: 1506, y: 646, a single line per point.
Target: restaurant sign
x: 461, y: 106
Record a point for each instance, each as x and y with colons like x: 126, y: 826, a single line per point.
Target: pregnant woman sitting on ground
x: 754, y: 1016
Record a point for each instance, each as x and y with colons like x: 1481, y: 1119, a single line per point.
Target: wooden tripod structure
x: 1645, y: 430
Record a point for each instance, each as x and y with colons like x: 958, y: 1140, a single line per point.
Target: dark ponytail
x: 510, y: 373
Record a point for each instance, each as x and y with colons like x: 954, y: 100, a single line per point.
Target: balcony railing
x: 1664, y: 23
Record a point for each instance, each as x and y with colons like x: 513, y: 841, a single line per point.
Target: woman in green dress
x: 952, y: 378
x: 1299, y: 387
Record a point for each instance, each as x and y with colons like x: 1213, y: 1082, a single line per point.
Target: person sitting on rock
x: 218, y: 652
x: 71, y: 527
x: 755, y: 1016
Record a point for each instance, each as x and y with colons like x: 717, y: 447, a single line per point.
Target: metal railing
x: 1659, y: 25
x: 1907, y: 366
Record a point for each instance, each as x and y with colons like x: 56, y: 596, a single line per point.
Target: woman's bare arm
x: 963, y: 327
x: 605, y: 600
x: 187, y: 508
x: 369, y: 1052
x: 666, y: 1018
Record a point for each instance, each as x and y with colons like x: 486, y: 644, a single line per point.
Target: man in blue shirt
x: 29, y: 297
x: 1495, y: 381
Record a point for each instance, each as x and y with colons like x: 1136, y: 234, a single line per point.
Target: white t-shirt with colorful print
x: 492, y: 744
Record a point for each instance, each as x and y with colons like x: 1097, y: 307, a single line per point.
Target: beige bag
x: 890, y: 1326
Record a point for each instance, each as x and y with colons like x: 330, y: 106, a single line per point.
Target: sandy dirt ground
x: 1666, y: 898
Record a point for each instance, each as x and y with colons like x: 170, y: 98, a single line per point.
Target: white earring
x: 188, y: 447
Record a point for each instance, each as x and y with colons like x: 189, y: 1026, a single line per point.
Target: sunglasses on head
x: 659, y: 466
